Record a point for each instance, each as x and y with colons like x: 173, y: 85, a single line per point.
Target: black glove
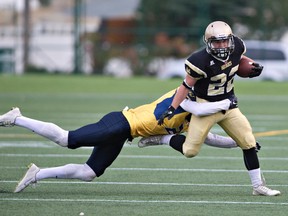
x: 234, y: 102
x: 256, y: 70
x: 191, y: 95
x: 169, y: 113
x: 258, y: 147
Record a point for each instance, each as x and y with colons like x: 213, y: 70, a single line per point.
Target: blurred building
x: 52, y: 36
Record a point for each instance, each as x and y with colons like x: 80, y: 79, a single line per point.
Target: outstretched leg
x: 45, y: 129
x: 48, y: 130
x: 101, y: 158
x: 107, y: 136
x: 176, y: 141
x: 70, y: 171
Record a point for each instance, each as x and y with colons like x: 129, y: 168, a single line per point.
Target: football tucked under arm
x: 249, y: 68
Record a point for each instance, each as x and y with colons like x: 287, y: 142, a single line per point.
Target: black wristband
x: 184, y: 83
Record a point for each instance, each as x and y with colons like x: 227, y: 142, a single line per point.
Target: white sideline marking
x: 50, y: 144
x: 141, y: 157
x: 143, y: 183
x: 143, y: 201
x: 24, y: 144
x: 192, y: 170
x: 174, y: 170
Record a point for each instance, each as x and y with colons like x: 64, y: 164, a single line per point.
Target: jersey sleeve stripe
x: 194, y: 71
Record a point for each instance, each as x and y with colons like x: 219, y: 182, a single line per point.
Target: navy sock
x: 176, y: 142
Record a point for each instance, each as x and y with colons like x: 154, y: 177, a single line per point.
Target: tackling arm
x: 183, y: 91
x: 180, y: 95
x: 204, y: 109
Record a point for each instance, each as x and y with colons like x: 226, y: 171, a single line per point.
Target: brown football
x: 245, y: 67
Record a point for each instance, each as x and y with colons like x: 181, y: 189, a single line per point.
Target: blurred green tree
x: 45, y: 3
x: 263, y: 19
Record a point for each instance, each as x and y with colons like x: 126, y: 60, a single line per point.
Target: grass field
x: 151, y: 181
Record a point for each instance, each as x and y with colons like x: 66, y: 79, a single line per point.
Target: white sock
x: 220, y: 141
x: 45, y: 129
x: 165, y: 139
x: 69, y: 171
x: 255, y: 176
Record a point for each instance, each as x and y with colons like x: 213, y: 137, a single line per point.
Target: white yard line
x: 143, y: 183
x: 143, y: 201
x: 139, y: 157
x: 173, y: 170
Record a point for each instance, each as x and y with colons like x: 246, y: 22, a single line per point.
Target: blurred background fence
x: 127, y: 37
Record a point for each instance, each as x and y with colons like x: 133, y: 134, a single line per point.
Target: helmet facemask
x: 222, y: 53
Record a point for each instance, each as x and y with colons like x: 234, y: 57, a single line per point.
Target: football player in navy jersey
x: 210, y: 72
x: 109, y: 134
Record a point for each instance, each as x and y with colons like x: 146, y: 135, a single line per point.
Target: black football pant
x: 107, y: 136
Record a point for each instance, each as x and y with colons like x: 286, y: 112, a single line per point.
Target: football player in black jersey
x: 210, y: 72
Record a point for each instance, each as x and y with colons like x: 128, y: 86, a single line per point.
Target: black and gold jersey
x: 214, y: 77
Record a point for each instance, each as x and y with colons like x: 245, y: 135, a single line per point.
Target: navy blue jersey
x: 214, y: 77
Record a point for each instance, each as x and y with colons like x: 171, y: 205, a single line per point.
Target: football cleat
x: 28, y: 179
x: 8, y: 119
x: 262, y: 190
x: 150, y: 141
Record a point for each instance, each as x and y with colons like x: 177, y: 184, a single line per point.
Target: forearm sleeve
x: 204, y: 109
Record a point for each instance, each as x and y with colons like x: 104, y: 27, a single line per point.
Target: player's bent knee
x: 87, y: 173
x: 189, y: 153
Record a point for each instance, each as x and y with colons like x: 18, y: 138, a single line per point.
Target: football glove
x: 256, y: 70
x: 258, y: 147
x: 191, y: 95
x: 169, y: 113
x: 233, y: 102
